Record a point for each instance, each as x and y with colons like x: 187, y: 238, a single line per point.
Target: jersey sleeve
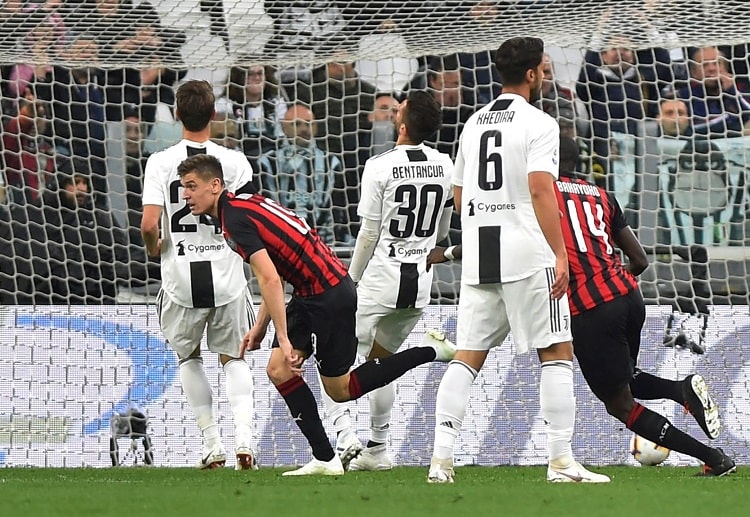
x: 544, y: 148
x: 241, y: 233
x: 242, y: 173
x: 153, y: 188
x: 458, y: 168
x: 371, y: 199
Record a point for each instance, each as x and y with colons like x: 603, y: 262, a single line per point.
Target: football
x: 647, y: 452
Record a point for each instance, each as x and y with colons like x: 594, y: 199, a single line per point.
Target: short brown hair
x: 207, y: 167
x: 195, y: 104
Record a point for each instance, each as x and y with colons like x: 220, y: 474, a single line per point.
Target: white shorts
x: 388, y: 326
x: 488, y: 312
x: 225, y: 326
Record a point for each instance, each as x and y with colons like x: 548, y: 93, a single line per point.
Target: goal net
x: 655, y: 93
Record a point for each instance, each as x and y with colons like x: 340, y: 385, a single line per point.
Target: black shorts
x: 606, y: 341
x: 331, y: 318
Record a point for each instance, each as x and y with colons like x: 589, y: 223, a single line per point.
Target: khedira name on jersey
x: 495, y: 117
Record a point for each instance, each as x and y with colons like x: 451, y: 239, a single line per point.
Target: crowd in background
x: 75, y: 134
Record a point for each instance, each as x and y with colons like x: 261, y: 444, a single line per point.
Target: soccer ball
x: 647, y: 452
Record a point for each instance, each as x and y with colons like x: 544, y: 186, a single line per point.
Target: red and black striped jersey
x: 254, y: 222
x: 590, y: 218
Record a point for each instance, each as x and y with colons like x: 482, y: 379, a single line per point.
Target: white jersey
x: 406, y: 189
x: 198, y: 269
x: 500, y: 145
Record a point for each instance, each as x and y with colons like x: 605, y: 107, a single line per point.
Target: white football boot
x: 444, y: 349
x: 574, y: 473
x: 246, y: 459
x: 348, y: 447
x: 213, y: 457
x: 372, y: 458
x: 441, y: 471
x: 318, y: 467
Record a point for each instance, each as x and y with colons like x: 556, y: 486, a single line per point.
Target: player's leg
x: 183, y: 329
x: 604, y: 338
x: 297, y: 394
x: 691, y: 392
x: 384, y: 335
x: 482, y: 324
x: 226, y: 327
x: 541, y: 323
x: 334, y: 321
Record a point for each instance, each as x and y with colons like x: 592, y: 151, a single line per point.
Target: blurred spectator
x: 456, y: 102
x: 142, y: 41
x: 718, y: 108
x: 558, y: 101
x: 674, y: 119
x: 254, y: 98
x: 610, y: 86
x: 341, y: 103
x: 89, y: 252
x: 123, y: 31
x: 29, y: 159
x: 45, y: 38
x: 77, y: 99
x: 135, y: 165
x: 24, y: 256
x: 301, y: 176
x: 382, y: 135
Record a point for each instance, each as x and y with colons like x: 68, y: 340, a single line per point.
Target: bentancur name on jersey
x: 418, y: 171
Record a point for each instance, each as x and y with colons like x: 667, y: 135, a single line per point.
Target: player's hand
x: 436, y: 256
x: 562, y: 276
x: 293, y: 360
x: 252, y: 340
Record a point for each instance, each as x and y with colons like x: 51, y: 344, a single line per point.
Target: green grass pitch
x: 478, y: 491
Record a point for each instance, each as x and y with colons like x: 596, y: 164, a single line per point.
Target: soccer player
x: 203, y: 282
x: 607, y: 317
x: 406, y: 206
x: 515, y: 271
x: 608, y: 314
x: 320, y: 317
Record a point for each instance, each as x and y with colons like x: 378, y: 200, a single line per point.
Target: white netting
x: 88, y: 87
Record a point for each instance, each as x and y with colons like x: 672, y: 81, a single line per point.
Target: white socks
x: 239, y: 381
x: 558, y: 405
x: 381, y: 404
x: 200, y: 398
x: 450, y: 407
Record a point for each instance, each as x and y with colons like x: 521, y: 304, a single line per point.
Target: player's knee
x: 338, y: 394
x: 277, y: 371
x: 619, y: 407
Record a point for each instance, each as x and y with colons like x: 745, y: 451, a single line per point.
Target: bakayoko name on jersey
x: 418, y: 171
x: 578, y: 188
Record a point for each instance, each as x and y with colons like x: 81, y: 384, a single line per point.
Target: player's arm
x: 544, y: 201
x: 367, y: 239
x: 440, y: 254
x: 628, y: 243
x: 150, y: 229
x: 272, y: 305
x: 626, y: 240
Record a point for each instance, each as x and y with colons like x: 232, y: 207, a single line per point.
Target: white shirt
x: 197, y: 267
x: 406, y: 189
x: 500, y: 145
